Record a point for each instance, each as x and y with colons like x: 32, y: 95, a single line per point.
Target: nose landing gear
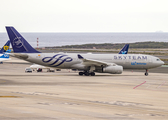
x: 146, y: 73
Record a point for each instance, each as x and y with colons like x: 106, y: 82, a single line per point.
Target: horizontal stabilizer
x: 19, y: 55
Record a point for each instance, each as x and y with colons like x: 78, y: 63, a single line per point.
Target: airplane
x: 4, y: 52
x: 124, y: 50
x: 88, y: 63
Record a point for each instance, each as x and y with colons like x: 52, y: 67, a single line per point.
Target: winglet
x: 80, y: 57
x: 19, y: 44
x: 124, y: 50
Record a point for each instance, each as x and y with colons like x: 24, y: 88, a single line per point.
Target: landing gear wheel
x: 86, y: 73
x: 81, y: 73
x: 146, y: 73
x: 92, y: 74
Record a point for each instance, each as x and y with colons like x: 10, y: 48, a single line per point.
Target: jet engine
x: 113, y: 69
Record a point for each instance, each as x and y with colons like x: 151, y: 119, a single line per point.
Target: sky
x: 84, y: 15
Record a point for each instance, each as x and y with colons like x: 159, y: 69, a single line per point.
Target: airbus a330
x: 88, y: 64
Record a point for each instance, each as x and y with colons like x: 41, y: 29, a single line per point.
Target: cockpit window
x: 157, y: 59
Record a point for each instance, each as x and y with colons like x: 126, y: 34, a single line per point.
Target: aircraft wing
x: 19, y: 55
x: 90, y: 62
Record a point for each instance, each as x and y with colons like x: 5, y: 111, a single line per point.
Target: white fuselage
x: 71, y: 60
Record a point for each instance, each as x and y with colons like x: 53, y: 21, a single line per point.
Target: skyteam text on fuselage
x: 88, y: 63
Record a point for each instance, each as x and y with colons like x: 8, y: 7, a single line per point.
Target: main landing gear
x: 86, y: 73
x: 146, y: 73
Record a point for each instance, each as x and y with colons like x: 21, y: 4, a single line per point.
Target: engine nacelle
x: 113, y: 69
x: 80, y: 67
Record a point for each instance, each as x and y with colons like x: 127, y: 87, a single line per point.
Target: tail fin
x: 19, y: 44
x: 8, y: 51
x: 5, y: 47
x: 124, y: 50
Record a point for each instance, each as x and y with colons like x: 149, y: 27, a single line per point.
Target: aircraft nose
x: 159, y: 63
x: 162, y: 63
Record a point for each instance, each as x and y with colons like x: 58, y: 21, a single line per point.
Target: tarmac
x: 64, y: 95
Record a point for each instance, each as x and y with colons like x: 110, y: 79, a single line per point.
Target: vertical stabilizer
x: 124, y: 50
x: 5, y: 47
x: 19, y: 44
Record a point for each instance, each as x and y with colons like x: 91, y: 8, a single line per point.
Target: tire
x: 92, y: 74
x: 80, y: 73
x: 146, y: 74
x: 86, y: 74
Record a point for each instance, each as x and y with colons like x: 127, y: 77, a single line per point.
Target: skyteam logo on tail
x: 123, y: 52
x: 57, y: 60
x: 17, y: 42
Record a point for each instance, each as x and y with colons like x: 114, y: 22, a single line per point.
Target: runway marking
x: 161, y: 84
x: 3, y: 81
x: 9, y: 97
x: 139, y: 85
